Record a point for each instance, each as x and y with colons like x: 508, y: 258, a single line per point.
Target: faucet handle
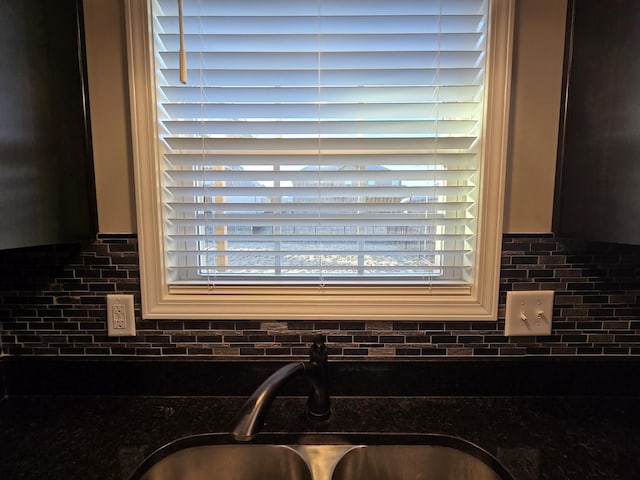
x: 318, y: 351
x: 318, y: 340
x: 319, y: 404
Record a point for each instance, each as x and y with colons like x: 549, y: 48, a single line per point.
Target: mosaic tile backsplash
x: 52, y: 302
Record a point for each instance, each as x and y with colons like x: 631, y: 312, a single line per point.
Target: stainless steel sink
x: 322, y: 457
x: 230, y: 462
x: 412, y: 462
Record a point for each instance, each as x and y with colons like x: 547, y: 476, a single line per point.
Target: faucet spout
x: 250, y: 418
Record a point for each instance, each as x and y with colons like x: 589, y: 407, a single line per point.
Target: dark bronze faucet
x: 250, y: 418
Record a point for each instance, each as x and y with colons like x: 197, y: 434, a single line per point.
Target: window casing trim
x: 159, y: 300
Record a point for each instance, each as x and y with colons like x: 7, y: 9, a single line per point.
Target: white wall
x: 110, y: 126
x: 535, y: 110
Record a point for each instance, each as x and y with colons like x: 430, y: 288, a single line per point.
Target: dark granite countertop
x: 104, y: 437
x: 544, y: 419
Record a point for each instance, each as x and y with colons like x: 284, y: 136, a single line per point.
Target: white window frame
x: 416, y: 303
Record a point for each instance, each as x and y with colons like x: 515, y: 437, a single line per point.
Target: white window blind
x: 321, y: 141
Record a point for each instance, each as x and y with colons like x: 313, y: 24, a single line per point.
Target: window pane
x: 321, y: 141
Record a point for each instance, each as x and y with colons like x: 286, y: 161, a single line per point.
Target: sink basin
x: 412, y: 462
x: 230, y: 462
x: 322, y: 457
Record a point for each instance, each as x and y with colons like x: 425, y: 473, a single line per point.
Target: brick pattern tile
x: 52, y: 302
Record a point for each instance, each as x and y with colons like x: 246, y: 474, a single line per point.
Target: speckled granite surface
x: 104, y: 437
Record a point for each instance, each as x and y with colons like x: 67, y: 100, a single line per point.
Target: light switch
x: 529, y: 313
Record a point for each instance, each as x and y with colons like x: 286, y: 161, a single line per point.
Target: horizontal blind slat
x: 307, y: 192
x: 345, y: 95
x: 338, y: 224
x: 443, y: 161
x: 399, y: 235
x: 183, y: 209
x: 330, y: 145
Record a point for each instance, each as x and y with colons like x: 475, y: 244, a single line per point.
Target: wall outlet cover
x: 121, y: 319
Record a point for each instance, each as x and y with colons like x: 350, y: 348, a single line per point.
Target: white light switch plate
x: 529, y: 313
